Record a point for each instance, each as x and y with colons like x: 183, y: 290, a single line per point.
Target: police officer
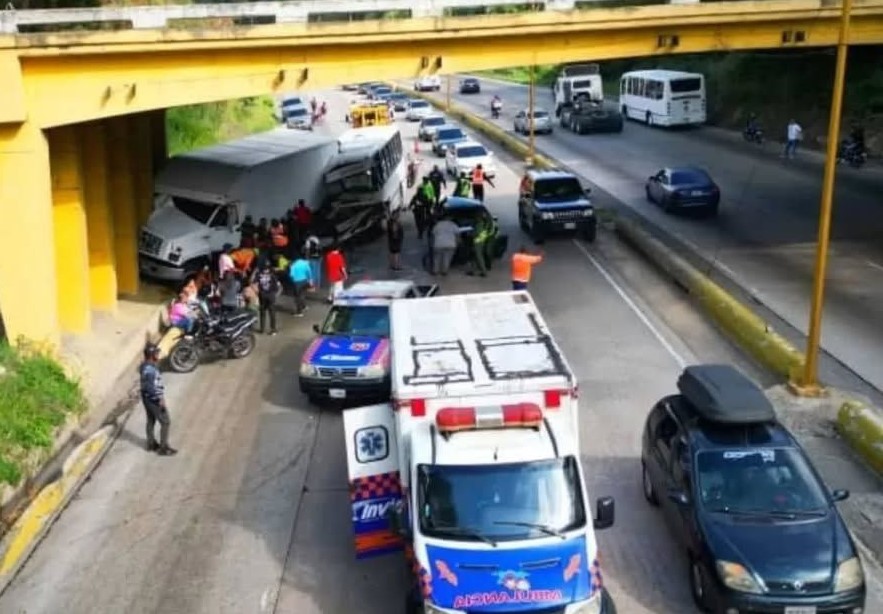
x: 154, y: 399
x: 422, y: 205
x: 464, y: 186
x: 438, y: 181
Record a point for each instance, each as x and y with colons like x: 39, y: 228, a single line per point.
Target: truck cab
x: 553, y: 202
x: 474, y: 466
x: 349, y: 359
x: 576, y: 80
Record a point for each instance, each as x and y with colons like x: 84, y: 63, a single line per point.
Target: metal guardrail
x: 298, y: 11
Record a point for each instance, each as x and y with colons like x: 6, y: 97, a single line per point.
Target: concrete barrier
x: 34, y: 523
x: 862, y: 428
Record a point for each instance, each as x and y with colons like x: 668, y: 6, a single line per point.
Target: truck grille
x: 780, y: 587
x: 570, y: 214
x: 150, y: 243
x: 335, y: 372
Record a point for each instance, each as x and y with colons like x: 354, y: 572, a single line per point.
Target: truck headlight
x: 738, y: 578
x: 308, y: 370
x: 588, y: 212
x: 547, y: 216
x: 849, y: 575
x: 592, y: 606
x: 372, y: 371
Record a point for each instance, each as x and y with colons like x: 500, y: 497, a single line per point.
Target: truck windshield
x: 560, y: 190
x: 199, y: 211
x: 500, y: 502
x: 370, y: 321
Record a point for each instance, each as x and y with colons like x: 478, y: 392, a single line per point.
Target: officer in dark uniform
x: 154, y: 399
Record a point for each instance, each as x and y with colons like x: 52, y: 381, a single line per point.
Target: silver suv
x: 542, y: 122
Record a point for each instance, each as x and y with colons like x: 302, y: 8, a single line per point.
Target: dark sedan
x: 761, y: 531
x: 470, y: 86
x: 686, y: 187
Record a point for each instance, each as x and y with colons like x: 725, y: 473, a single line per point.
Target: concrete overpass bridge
x: 82, y: 124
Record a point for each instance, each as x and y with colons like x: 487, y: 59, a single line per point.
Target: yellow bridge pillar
x: 69, y: 219
x: 28, y: 293
x: 142, y: 138
x: 160, y: 145
x: 99, y: 217
x: 123, y: 204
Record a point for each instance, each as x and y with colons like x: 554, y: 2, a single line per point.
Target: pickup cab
x: 349, y: 359
x: 554, y: 202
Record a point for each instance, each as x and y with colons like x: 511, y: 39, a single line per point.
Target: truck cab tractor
x: 553, y: 202
x: 349, y: 359
x: 473, y: 468
x: 577, y: 80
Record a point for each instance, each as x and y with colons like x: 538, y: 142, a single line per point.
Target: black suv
x: 470, y: 86
x: 761, y: 531
x: 553, y: 202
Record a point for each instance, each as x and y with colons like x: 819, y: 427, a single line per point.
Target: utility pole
x: 448, y: 92
x: 808, y: 385
x: 530, y: 105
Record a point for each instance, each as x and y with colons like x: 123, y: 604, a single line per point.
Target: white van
x: 663, y: 97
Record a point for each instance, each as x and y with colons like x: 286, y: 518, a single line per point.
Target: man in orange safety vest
x: 522, y: 263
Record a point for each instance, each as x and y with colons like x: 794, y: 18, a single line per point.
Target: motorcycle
x: 496, y: 107
x: 853, y: 154
x: 228, y: 334
x: 753, y: 135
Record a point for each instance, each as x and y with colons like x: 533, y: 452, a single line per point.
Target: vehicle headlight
x: 588, y: 212
x: 592, y: 606
x: 372, y: 371
x: 548, y: 216
x: 738, y: 578
x: 849, y: 575
x: 308, y: 370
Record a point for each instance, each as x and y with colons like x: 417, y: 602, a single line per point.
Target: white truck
x: 576, y: 80
x: 474, y: 466
x: 201, y: 197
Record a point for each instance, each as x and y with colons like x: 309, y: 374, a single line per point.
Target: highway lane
x: 252, y: 515
x: 765, y: 235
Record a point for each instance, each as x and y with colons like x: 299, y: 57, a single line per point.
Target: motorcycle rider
x: 153, y: 398
x: 496, y: 106
x: 854, y: 145
x: 752, y: 127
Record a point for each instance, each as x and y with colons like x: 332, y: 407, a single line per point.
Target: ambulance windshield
x: 501, y: 502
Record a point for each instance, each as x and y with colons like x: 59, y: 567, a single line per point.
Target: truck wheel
x: 536, y: 234
x: 590, y: 233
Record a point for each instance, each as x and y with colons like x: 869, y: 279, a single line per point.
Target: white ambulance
x: 474, y: 467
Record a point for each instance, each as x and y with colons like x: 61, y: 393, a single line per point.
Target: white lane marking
x: 874, y: 265
x: 637, y: 310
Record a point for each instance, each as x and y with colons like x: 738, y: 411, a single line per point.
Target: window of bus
x: 682, y: 86
x: 655, y: 90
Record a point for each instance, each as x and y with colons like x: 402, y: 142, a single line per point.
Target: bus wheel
x: 649, y: 119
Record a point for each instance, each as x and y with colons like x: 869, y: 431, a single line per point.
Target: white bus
x: 663, y: 97
x: 368, y: 169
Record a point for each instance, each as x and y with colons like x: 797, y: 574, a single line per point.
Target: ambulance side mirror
x: 316, y: 329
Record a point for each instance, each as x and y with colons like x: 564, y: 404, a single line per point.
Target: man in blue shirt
x: 302, y: 278
x: 154, y: 399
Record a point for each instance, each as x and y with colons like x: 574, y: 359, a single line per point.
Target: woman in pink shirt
x: 180, y: 314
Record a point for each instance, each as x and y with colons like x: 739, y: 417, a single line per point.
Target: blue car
x: 349, y: 360
x: 686, y: 187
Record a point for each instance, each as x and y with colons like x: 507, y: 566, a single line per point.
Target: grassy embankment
x: 776, y: 86
x: 201, y: 125
x: 36, y: 399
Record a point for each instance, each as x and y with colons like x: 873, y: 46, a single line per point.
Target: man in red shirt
x: 335, y: 270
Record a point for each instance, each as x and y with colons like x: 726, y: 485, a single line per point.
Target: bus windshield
x: 500, y: 502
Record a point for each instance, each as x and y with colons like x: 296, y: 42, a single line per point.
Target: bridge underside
x: 79, y: 119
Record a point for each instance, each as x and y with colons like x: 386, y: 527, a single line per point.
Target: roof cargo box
x: 722, y: 394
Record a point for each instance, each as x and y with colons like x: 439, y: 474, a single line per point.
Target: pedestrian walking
x: 445, y: 235
x: 395, y: 235
x: 302, y: 278
x: 268, y: 291
x: 153, y: 397
x: 795, y: 135
x: 522, y: 265
x: 335, y: 270
x: 478, y: 179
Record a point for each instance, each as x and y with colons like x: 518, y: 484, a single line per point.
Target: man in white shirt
x: 795, y: 135
x: 225, y: 261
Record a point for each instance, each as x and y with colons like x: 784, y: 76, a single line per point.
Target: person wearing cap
x: 153, y: 397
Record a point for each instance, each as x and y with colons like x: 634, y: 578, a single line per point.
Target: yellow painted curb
x: 862, y: 428
x: 42, y: 511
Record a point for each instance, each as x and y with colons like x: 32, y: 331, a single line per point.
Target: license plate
x: 570, y: 226
x: 337, y: 393
x: 697, y: 193
x: 801, y: 609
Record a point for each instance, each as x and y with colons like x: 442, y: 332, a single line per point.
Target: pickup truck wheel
x: 536, y: 234
x: 522, y: 223
x: 590, y: 233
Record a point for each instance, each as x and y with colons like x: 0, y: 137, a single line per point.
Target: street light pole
x: 531, y: 102
x: 809, y: 383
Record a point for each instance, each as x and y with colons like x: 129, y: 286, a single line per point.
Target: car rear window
x: 471, y: 151
x: 433, y: 121
x: 689, y: 176
x: 540, y: 114
x: 450, y: 133
x: 419, y: 104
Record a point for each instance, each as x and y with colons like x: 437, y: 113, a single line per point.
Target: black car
x: 761, y: 531
x: 465, y: 213
x: 684, y: 187
x: 470, y: 86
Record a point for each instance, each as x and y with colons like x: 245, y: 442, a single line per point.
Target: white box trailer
x: 474, y: 466
x: 202, y: 197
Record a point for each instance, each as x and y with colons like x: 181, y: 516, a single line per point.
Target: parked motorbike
x: 753, y: 135
x: 228, y: 335
x: 852, y: 153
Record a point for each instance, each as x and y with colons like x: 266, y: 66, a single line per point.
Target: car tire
x: 698, y: 585
x: 536, y: 235
x: 667, y: 205
x: 619, y: 126
x: 647, y: 486
x: 522, y: 222
x: 712, y: 211
x: 648, y: 195
x: 590, y: 233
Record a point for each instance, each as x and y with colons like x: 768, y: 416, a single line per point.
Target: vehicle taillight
x: 418, y: 406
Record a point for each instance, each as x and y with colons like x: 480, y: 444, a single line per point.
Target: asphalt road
x: 766, y: 233
x: 253, y: 515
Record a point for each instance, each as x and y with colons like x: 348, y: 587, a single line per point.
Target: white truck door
x: 220, y: 229
x: 373, y: 471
